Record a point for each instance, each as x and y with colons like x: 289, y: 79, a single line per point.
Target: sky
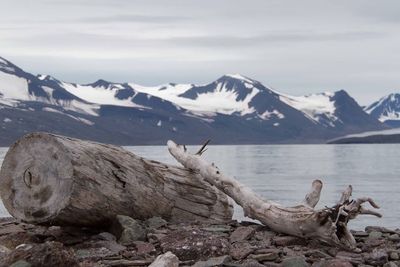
x: 295, y: 47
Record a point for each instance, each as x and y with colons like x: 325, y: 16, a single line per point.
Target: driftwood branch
x: 328, y: 224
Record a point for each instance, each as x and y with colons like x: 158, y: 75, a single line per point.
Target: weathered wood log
x: 328, y: 224
x: 53, y: 179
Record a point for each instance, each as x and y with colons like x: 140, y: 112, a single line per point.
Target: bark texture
x: 327, y: 224
x: 53, y: 179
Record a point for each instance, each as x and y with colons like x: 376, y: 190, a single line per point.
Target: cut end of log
x: 40, y: 182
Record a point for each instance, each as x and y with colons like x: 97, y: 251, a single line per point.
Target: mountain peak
x: 237, y: 76
x: 101, y: 83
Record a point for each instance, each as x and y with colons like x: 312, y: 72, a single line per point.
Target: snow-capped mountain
x: 231, y: 109
x: 387, y: 110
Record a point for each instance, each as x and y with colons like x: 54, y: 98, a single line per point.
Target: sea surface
x: 283, y: 173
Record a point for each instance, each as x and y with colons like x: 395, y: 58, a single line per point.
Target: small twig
x: 203, y: 148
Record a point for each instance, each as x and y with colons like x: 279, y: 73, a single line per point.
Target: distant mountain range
x: 231, y: 110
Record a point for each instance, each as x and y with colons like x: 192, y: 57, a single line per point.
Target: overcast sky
x: 295, y: 47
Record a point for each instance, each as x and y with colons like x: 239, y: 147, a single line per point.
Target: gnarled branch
x: 328, y: 224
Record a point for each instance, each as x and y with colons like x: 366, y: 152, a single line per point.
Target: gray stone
x: 354, y: 258
x: 377, y: 257
x: 295, y: 262
x: 218, y: 229
x: 271, y: 256
x: 128, y: 230
x: 289, y: 241
x: 20, y: 263
x: 374, y: 235
x: 394, y: 237
x: 216, y: 261
x: 379, y: 229
x: 390, y: 264
x: 242, y: 233
x: 166, y: 260
x: 394, y: 256
x: 156, y: 222
x: 251, y: 263
x: 4, y: 251
x: 333, y: 263
x: 106, y: 236
x: 240, y: 250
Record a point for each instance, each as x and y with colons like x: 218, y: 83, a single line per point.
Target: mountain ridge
x: 231, y: 109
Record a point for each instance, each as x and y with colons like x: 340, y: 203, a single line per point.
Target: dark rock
x: 374, y: 235
x: 377, y: 257
x: 264, y: 235
x: 394, y: 237
x: 354, y: 258
x: 128, y: 230
x: 144, y: 247
x: 20, y: 263
x: 93, y: 253
x: 379, y: 229
x: 215, y: 261
x: 295, y: 262
x: 240, y: 250
x: 155, y: 222
x: 289, y: 241
x: 271, y: 256
x: 218, y: 228
x: 105, y: 236
x: 317, y: 254
x: 359, y: 234
x: 194, y: 244
x: 333, y: 263
x: 242, y: 233
x: 46, y: 254
x: 251, y: 263
x: 394, y: 256
x: 123, y: 262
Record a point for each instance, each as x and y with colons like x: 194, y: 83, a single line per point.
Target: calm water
x: 284, y: 173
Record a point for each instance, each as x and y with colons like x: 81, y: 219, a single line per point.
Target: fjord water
x: 283, y: 173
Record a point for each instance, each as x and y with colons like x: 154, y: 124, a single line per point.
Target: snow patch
x: 7, y: 120
x: 159, y: 123
x: 313, y: 105
x: 13, y: 87
x: 268, y: 114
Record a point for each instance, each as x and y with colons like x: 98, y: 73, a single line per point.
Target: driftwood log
x: 328, y: 224
x: 53, y: 179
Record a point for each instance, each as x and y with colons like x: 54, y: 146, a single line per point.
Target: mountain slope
x: 387, y: 110
x: 231, y: 109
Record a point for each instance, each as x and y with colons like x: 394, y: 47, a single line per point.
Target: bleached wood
x: 47, y: 178
x: 328, y: 224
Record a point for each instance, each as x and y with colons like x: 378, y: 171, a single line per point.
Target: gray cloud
x: 295, y: 46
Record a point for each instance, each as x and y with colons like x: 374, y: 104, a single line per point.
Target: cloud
x: 134, y: 18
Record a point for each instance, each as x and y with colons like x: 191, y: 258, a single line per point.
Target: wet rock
x: 295, y: 262
x: 333, y: 263
x: 128, y: 230
x: 289, y: 241
x: 155, y: 222
x: 166, y: 260
x: 20, y: 263
x: 46, y: 254
x: 240, y: 250
x: 215, y: 261
x: 242, y: 233
x: 194, y: 244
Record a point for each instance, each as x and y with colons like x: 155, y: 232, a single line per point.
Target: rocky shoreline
x: 130, y: 242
